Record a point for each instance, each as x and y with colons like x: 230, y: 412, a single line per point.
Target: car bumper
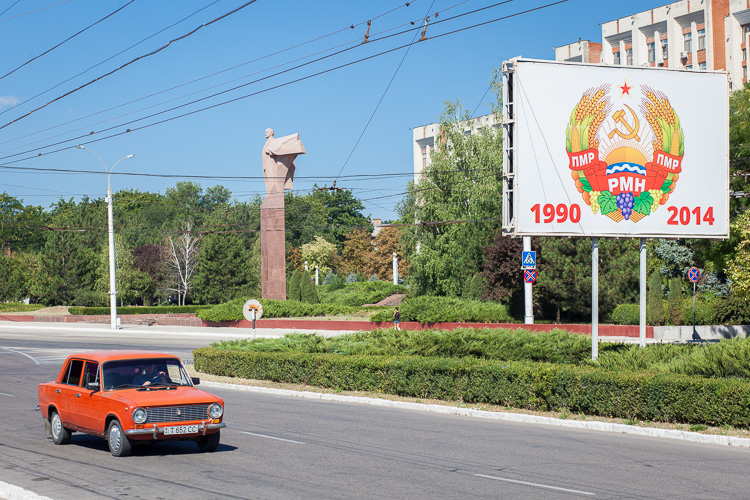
x: 157, y: 431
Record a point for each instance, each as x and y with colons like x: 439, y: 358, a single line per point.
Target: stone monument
x: 278, y: 172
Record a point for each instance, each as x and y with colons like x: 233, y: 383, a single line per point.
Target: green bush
x: 655, y: 311
x: 308, y: 292
x: 428, y: 309
x: 674, y: 302
x: 360, y: 293
x: 733, y: 310
x: 19, y: 307
x: 232, y: 311
x: 498, y: 344
x: 138, y: 310
x: 293, y: 291
x: 525, y: 385
x: 705, y: 313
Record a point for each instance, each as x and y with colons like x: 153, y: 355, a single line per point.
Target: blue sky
x: 330, y: 111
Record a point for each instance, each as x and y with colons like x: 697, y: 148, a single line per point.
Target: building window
x: 702, y: 39
x: 616, y: 57
x: 652, y: 52
x: 424, y: 159
x: 744, y: 72
x: 664, y: 50
x: 688, y: 42
x: 629, y: 57
x: 745, y: 31
x: 689, y: 67
x: 702, y: 65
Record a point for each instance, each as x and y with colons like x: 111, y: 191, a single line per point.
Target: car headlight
x: 215, y: 410
x: 139, y: 415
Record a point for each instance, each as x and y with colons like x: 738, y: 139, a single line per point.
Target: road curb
x: 696, y: 437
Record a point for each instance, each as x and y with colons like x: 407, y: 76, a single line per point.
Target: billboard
x: 593, y: 150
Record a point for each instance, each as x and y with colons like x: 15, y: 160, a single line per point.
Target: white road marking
x: 9, y: 395
x: 271, y: 437
x: 526, y: 483
x: 32, y: 358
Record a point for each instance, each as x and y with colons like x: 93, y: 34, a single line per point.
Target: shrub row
x: 427, y: 309
x: 232, y: 311
x: 137, y: 310
x: 531, y: 386
x: 497, y: 344
x: 19, y: 307
x: 705, y: 314
x: 357, y: 294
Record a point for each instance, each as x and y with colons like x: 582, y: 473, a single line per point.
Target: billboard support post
x: 527, y: 289
x: 595, y: 299
x: 642, y: 322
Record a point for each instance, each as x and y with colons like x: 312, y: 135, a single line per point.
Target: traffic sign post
x: 694, y: 274
x: 529, y: 275
x: 528, y: 260
x: 252, y: 310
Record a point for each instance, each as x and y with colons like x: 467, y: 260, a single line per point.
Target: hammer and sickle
x: 619, y: 117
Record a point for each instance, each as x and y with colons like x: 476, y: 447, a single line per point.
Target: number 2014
x: 684, y: 216
x: 561, y: 212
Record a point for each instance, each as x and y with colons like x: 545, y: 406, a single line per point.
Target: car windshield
x: 149, y: 372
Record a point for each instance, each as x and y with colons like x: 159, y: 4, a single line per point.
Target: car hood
x: 164, y: 397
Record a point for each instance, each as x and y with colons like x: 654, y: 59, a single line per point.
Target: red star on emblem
x: 625, y: 88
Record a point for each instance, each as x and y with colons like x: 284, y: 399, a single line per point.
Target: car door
x: 88, y: 407
x: 69, y: 392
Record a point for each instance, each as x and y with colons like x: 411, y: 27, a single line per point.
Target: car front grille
x: 176, y: 414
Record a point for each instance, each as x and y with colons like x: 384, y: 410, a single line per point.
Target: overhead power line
x: 66, y: 40
x: 281, y: 85
x: 132, y: 61
x: 32, y: 11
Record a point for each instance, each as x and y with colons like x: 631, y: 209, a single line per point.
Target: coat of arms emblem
x: 625, y: 148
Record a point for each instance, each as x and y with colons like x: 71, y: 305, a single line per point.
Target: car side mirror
x: 92, y: 386
x: 195, y: 380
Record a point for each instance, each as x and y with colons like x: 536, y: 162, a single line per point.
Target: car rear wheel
x: 210, y: 442
x: 60, y: 435
x: 119, y: 444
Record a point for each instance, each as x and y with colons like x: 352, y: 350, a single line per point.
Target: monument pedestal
x: 273, y: 247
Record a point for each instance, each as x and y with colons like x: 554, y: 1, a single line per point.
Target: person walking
x: 397, y: 319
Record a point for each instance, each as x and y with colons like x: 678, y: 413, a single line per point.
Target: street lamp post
x: 112, y: 288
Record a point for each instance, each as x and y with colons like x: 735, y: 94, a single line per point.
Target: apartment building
x: 687, y: 34
x: 423, y: 140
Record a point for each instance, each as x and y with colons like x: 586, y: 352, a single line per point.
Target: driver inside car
x: 151, y: 374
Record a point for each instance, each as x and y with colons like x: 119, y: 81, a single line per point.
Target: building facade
x: 423, y: 140
x: 687, y: 35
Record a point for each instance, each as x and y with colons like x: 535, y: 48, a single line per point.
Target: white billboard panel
x: 617, y: 151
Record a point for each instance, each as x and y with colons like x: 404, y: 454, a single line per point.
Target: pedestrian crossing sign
x: 528, y: 260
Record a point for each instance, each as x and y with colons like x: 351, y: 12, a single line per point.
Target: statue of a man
x: 278, y: 160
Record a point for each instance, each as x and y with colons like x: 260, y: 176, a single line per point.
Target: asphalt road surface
x: 285, y: 447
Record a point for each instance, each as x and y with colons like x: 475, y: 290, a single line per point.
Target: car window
x: 91, y: 373
x: 73, y: 374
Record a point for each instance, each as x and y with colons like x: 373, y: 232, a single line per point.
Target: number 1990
x: 560, y: 213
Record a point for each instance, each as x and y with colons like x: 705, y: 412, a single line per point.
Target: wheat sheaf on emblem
x: 639, y: 165
x: 585, y: 121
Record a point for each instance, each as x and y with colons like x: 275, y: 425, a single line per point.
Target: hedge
x: 428, y: 309
x: 137, y: 310
x: 531, y: 386
x: 232, y: 311
x: 705, y: 313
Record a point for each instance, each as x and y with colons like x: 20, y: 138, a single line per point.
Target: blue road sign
x: 529, y: 275
x: 694, y: 274
x: 528, y: 260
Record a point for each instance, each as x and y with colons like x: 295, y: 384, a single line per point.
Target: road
x: 285, y: 447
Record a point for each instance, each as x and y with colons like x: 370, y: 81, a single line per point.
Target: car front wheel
x: 210, y: 442
x: 60, y: 435
x: 119, y: 444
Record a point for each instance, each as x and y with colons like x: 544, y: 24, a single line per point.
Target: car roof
x: 102, y: 356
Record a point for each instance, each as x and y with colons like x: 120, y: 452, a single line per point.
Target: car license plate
x: 181, y: 429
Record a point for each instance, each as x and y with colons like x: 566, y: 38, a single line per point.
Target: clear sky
x: 256, y: 49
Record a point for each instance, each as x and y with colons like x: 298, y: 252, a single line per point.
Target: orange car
x: 129, y: 396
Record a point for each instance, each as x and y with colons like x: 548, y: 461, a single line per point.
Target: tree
x: 342, y: 212
x: 356, y: 254
x: 148, y: 258
x: 224, y: 271
x: 456, y: 205
x: 739, y: 265
x: 131, y: 283
x: 319, y: 253
x: 655, y: 305
x: 66, y: 266
x: 181, y: 257
x: 739, y: 144
x: 501, y: 271
x: 388, y: 242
